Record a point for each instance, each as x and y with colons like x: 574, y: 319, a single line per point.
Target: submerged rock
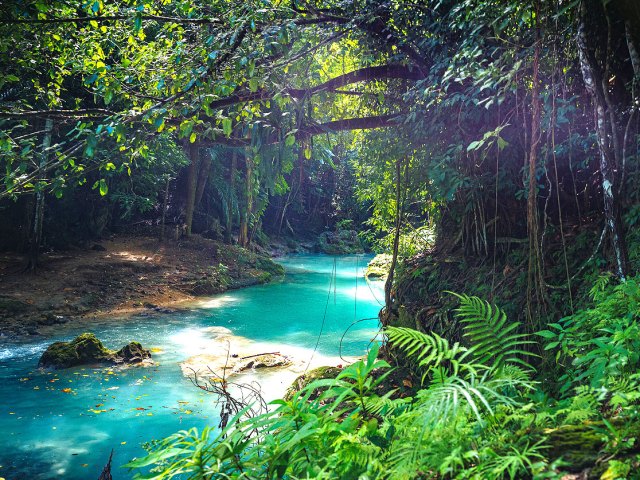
x: 86, y: 349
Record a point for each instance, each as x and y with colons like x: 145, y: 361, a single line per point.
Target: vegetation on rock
x: 86, y: 349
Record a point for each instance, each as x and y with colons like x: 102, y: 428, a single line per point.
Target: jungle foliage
x: 477, y: 412
x: 491, y: 147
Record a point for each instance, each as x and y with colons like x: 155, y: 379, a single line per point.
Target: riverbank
x: 121, y: 276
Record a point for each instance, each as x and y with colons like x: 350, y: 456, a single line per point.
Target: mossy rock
x: 269, y: 266
x: 379, y: 266
x: 578, y: 445
x: 320, y: 373
x: 86, y: 349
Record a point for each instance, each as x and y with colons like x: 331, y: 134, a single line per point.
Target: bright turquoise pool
x: 64, y: 424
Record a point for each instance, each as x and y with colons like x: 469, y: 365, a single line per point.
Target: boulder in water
x: 132, y: 353
x: 86, y: 349
x: 265, y: 360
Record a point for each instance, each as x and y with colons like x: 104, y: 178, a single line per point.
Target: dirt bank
x: 119, y: 276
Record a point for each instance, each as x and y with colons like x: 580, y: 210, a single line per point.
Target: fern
x: 494, y: 340
x: 431, y: 351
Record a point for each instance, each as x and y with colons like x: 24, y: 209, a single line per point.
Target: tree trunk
x: 245, y: 213
x: 229, y: 214
x: 165, y: 201
x: 590, y: 75
x: 192, y: 183
x: 36, y: 234
x: 203, y: 176
x: 535, y: 276
x: 396, y: 241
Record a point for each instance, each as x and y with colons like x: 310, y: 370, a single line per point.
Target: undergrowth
x: 481, y: 411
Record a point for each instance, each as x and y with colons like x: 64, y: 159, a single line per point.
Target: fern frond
x: 431, y: 351
x: 494, y: 340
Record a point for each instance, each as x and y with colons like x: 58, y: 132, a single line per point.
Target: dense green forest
x: 491, y: 149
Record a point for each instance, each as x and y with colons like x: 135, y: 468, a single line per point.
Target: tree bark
x: 192, y: 182
x: 535, y: 275
x: 590, y: 76
x: 246, y: 212
x: 165, y: 201
x: 396, y: 236
x: 229, y: 213
x: 203, y: 175
x: 36, y: 233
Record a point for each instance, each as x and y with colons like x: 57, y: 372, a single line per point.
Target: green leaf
x: 192, y: 137
x: 546, y: 334
x: 103, y: 187
x: 227, y: 126
x: 290, y: 140
x: 307, y: 153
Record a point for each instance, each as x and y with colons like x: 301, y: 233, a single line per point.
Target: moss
x: 578, y: 445
x: 379, y: 266
x: 84, y: 349
x: 404, y: 319
x: 320, y: 373
x: 269, y: 266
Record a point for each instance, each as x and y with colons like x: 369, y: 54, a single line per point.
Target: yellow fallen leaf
x: 66, y: 390
x: 188, y: 412
x: 123, y: 443
x: 85, y: 465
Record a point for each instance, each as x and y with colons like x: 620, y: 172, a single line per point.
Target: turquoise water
x: 64, y: 424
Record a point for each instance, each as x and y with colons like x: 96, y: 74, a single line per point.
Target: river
x: 64, y: 424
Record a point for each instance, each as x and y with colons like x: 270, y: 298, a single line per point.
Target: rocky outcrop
x: 86, y: 349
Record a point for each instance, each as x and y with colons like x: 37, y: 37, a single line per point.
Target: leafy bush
x: 600, y: 346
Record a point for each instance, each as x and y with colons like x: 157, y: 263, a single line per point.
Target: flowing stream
x: 64, y: 424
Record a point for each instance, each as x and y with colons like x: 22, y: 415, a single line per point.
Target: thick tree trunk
x: 203, y: 176
x: 590, y: 75
x: 535, y: 276
x: 229, y: 213
x: 36, y: 232
x: 165, y: 202
x: 192, y: 183
x: 245, y: 213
